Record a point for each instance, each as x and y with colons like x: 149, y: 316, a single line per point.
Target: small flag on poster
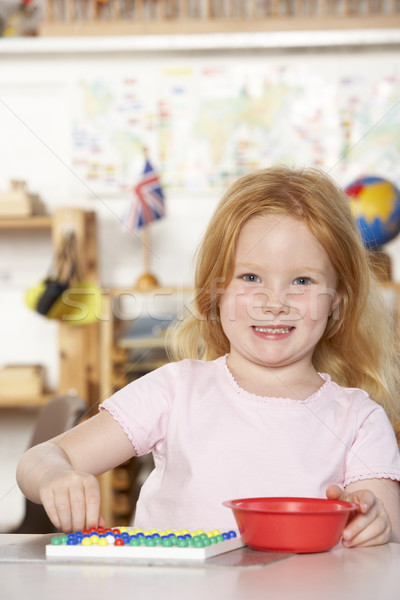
x: 149, y: 203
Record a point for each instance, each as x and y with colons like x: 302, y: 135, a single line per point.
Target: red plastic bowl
x: 291, y: 524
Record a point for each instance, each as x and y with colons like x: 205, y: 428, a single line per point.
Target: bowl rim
x: 344, y: 505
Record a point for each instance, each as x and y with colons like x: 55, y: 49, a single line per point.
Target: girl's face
x: 276, y: 307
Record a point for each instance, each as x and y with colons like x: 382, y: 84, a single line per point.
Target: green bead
x: 182, y: 544
x: 206, y: 541
x: 220, y: 538
x: 198, y: 543
x: 213, y: 540
x: 166, y: 542
x: 56, y: 541
x: 150, y: 542
x: 64, y: 539
x: 134, y: 542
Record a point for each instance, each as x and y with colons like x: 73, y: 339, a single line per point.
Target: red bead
x: 119, y: 542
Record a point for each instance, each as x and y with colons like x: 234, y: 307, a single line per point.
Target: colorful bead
x: 86, y: 541
x: 56, y: 541
x: 103, y: 541
x: 134, y: 541
x: 119, y: 542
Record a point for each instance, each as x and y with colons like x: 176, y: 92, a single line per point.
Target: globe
x: 375, y: 204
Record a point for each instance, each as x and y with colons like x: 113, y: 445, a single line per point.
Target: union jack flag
x: 149, y: 203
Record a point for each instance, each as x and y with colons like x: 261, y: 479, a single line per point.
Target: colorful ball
x: 375, y: 204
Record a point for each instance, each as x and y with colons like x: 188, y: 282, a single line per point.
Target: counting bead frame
x: 123, y: 543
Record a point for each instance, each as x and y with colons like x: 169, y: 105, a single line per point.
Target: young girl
x: 288, y: 326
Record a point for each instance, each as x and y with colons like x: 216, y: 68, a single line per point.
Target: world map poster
x: 203, y: 124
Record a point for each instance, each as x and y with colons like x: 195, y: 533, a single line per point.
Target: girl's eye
x: 251, y: 277
x: 302, y: 281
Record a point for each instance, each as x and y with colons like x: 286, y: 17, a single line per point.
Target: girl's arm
x: 378, y: 519
x: 61, y: 473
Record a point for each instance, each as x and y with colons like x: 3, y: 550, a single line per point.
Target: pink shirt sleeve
x: 142, y: 408
x: 374, y: 453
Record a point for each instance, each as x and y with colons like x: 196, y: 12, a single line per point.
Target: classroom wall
x: 73, y: 125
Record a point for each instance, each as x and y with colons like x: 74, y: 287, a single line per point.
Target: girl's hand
x: 371, y: 525
x: 71, y: 500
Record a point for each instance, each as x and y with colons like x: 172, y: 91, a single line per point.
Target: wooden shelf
x: 22, y: 402
x: 34, y: 222
x: 207, y: 26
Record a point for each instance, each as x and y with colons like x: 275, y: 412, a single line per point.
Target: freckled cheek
x: 313, y: 307
x: 235, y: 305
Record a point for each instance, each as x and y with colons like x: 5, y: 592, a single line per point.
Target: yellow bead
x: 95, y: 539
x: 185, y: 532
x: 86, y: 541
x: 216, y: 532
x: 153, y: 531
x: 209, y: 534
x: 103, y: 542
x: 123, y: 529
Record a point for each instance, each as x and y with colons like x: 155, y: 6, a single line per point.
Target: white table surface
x: 341, y: 574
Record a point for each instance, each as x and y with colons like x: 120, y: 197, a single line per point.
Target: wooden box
x: 21, y: 382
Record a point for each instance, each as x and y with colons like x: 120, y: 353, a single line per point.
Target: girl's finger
x: 78, y: 508
x: 92, y: 503
x: 377, y: 532
x: 63, y: 507
x: 51, y: 511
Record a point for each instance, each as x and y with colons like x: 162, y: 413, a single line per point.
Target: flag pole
x: 147, y: 281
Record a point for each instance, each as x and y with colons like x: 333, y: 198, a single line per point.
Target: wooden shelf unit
x: 154, y: 17
x: 78, y: 345
x: 34, y: 222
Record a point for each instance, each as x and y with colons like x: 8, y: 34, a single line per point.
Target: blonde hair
x: 357, y: 348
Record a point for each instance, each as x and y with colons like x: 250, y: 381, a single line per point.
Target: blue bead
x: 226, y: 536
x: 232, y: 534
x: 71, y: 542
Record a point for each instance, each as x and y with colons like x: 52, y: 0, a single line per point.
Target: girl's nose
x: 275, y: 303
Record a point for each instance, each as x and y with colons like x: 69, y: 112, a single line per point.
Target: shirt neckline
x: 274, y: 399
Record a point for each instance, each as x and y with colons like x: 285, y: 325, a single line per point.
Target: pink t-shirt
x: 213, y: 441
